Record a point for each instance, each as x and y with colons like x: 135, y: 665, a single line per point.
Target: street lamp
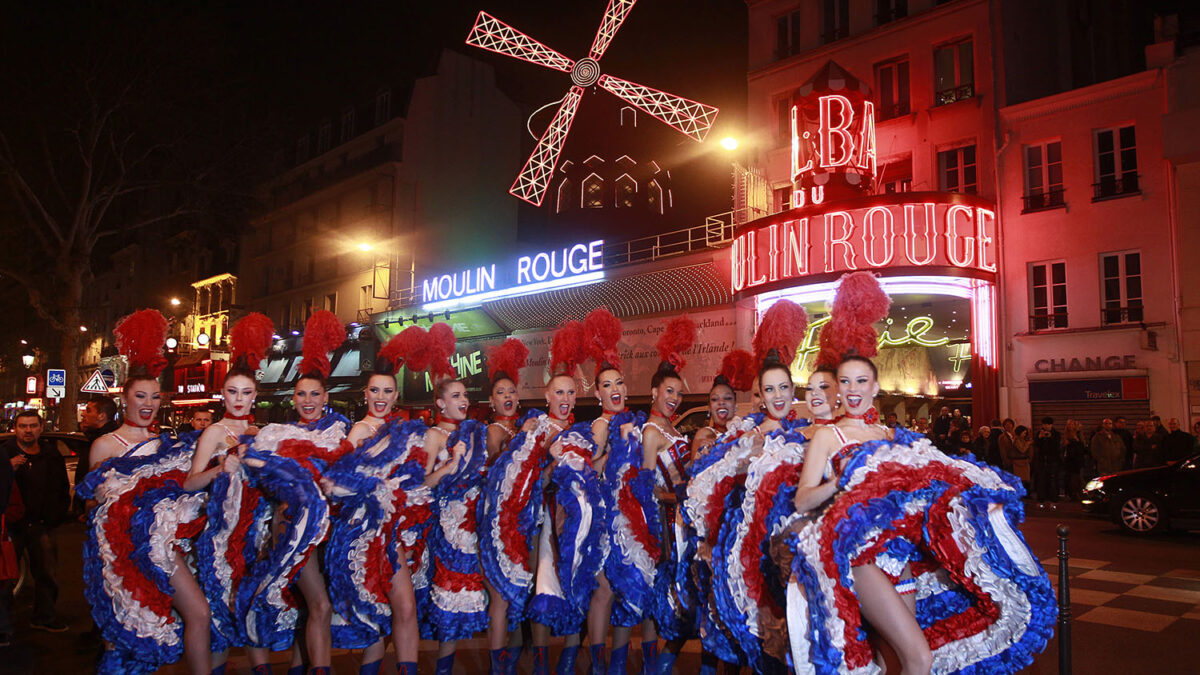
x: 83, y: 329
x: 202, y: 339
x: 729, y: 143
x: 365, y: 247
x: 175, y: 302
x: 27, y: 359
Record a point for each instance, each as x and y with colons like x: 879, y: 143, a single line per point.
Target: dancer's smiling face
x: 453, y: 402
x: 560, y: 396
x: 821, y: 394
x: 142, y: 399
x: 380, y: 394
x: 610, y: 390
x: 667, y: 396
x: 504, y: 397
x: 858, y: 386
x: 777, y: 392
x: 310, y: 399
x: 721, y: 404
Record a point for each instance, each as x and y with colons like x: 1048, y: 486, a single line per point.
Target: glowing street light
x: 175, y: 302
x: 364, y: 247
x: 729, y: 143
x: 83, y: 329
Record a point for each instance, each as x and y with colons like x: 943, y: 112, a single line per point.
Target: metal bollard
x: 1064, y: 602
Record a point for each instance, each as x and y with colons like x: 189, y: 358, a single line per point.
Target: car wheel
x: 1141, y: 514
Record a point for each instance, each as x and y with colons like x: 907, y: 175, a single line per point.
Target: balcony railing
x: 715, y: 231
x: 1044, y: 321
x: 1114, y: 316
x: 1040, y: 201
x: 1110, y: 187
x: 959, y: 93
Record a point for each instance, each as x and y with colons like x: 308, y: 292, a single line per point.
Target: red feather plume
x: 860, y: 302
x: 441, y: 348
x: 603, y: 332
x: 738, y: 368
x: 568, y: 348
x: 323, y: 333
x: 140, y: 338
x: 782, y: 329
x: 390, y: 356
x: 507, y: 359
x: 677, y: 338
x: 250, y: 338
x: 409, y: 347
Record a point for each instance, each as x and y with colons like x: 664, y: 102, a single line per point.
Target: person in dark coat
x: 99, y: 418
x: 41, y: 476
x: 1047, y: 461
x: 1126, y: 436
x: 1178, y: 444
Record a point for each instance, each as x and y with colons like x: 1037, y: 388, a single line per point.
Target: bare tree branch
x: 47, y: 310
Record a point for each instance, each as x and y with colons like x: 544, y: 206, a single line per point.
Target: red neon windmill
x: 689, y: 117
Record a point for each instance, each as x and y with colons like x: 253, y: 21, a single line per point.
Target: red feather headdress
x: 441, y: 348
x: 322, y: 335
x: 506, y: 360
x: 782, y: 329
x: 737, y: 370
x: 603, y: 332
x: 677, y: 338
x: 419, y: 350
x: 859, y: 303
x: 250, y: 338
x: 140, y: 339
x: 568, y: 349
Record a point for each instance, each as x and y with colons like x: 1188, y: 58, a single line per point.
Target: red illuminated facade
x: 1055, y: 196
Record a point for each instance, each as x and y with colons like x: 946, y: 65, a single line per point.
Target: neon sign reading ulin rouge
x: 943, y: 230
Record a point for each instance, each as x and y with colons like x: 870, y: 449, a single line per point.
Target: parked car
x: 1150, y: 500
x: 70, y: 445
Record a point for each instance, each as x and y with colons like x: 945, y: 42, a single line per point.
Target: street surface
x: 1135, y: 605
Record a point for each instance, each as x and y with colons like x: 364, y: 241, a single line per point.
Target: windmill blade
x: 690, y: 117
x: 614, y: 16
x: 535, y: 176
x: 494, y: 35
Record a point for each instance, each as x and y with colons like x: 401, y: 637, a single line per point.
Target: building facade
x: 1090, y: 170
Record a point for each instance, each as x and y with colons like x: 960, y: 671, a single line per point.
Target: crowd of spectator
x: 1056, y: 462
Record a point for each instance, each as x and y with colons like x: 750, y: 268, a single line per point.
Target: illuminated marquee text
x: 861, y: 236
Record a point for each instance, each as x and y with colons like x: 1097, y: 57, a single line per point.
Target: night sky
x: 232, y: 85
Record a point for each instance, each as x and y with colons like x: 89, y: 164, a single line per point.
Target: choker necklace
x: 569, y: 421
x: 608, y: 414
x: 370, y: 414
x: 238, y: 418
x: 130, y: 423
x: 443, y: 420
x: 825, y: 421
x: 670, y: 419
x: 870, y: 417
x: 504, y: 418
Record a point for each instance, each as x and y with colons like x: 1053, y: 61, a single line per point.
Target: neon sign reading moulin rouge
x: 561, y: 268
x: 864, y: 234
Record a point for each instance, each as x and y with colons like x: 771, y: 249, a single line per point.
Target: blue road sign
x: 56, y: 378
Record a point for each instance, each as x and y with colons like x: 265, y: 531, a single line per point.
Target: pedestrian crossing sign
x: 95, y: 384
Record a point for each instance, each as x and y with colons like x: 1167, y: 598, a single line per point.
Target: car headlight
x: 1094, y: 484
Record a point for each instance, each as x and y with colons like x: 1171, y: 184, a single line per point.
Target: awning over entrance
x: 675, y: 289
